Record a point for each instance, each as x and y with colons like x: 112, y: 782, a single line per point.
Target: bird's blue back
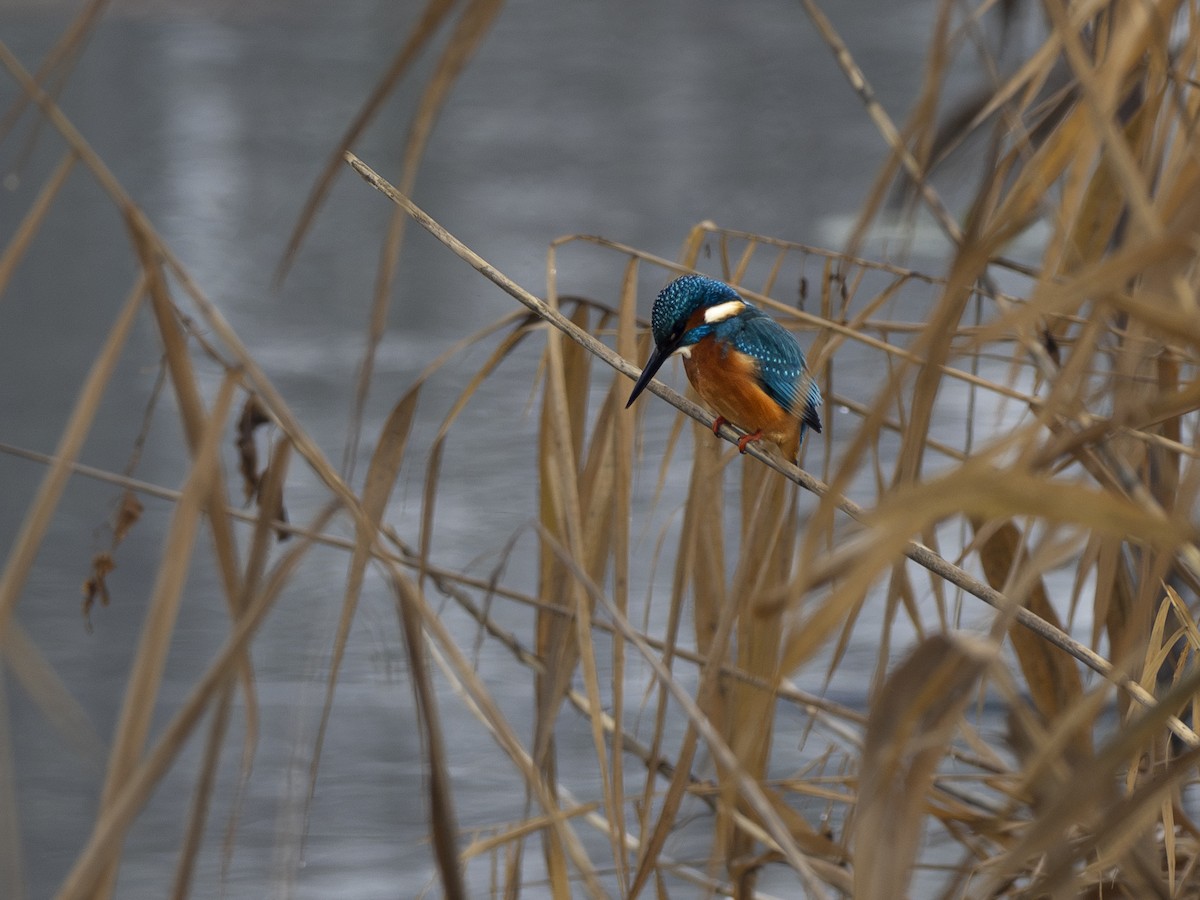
x: 782, y: 371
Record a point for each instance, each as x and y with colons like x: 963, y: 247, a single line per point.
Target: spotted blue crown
x: 679, y: 300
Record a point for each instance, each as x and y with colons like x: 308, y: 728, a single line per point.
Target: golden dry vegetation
x: 1067, y: 494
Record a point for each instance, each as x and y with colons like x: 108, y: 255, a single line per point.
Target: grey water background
x: 631, y: 121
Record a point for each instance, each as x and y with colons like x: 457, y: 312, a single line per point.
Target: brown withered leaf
x: 912, y: 721
x: 96, y: 586
x: 1053, y: 677
x: 253, y: 415
x: 128, y: 514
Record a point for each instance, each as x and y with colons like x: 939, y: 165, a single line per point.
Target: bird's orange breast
x: 727, y: 380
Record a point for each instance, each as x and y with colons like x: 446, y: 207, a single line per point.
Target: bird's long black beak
x: 653, y: 364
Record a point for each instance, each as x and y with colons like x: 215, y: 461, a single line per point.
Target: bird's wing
x: 782, y: 372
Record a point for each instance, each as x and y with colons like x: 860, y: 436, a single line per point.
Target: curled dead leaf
x: 253, y: 415
x: 96, y: 586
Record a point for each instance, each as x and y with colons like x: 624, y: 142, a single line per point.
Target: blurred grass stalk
x: 1094, y: 133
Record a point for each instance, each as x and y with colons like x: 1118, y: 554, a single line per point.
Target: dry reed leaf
x: 599, y: 501
x: 1158, y: 645
x: 709, y: 706
x: 1183, y: 615
x: 980, y: 489
x: 933, y: 347
x: 816, y: 844
x: 443, y: 827
x: 522, y: 829
x: 560, y: 518
x: 158, y: 629
x: 385, y: 463
x: 700, y: 552
x: 738, y: 274
x: 1165, y: 463
x: 275, y: 510
x: 622, y: 450
x: 911, y: 723
x: 1094, y: 230
x: 381, y: 475
x: 764, y: 568
x: 700, y: 563
x: 576, y: 373
x: 1052, y: 676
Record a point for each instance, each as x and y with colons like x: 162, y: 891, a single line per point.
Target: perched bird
x: 743, y: 363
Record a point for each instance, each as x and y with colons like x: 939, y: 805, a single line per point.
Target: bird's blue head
x: 679, y: 301
x: 673, y: 310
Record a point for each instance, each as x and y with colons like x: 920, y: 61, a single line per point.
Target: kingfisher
x: 743, y: 363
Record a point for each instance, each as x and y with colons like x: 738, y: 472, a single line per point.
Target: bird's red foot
x: 720, y: 420
x: 746, y: 439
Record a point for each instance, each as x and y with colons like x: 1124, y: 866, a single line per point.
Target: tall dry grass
x: 1075, y: 465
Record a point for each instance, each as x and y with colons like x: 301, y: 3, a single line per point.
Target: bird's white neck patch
x: 682, y: 351
x: 723, y: 311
